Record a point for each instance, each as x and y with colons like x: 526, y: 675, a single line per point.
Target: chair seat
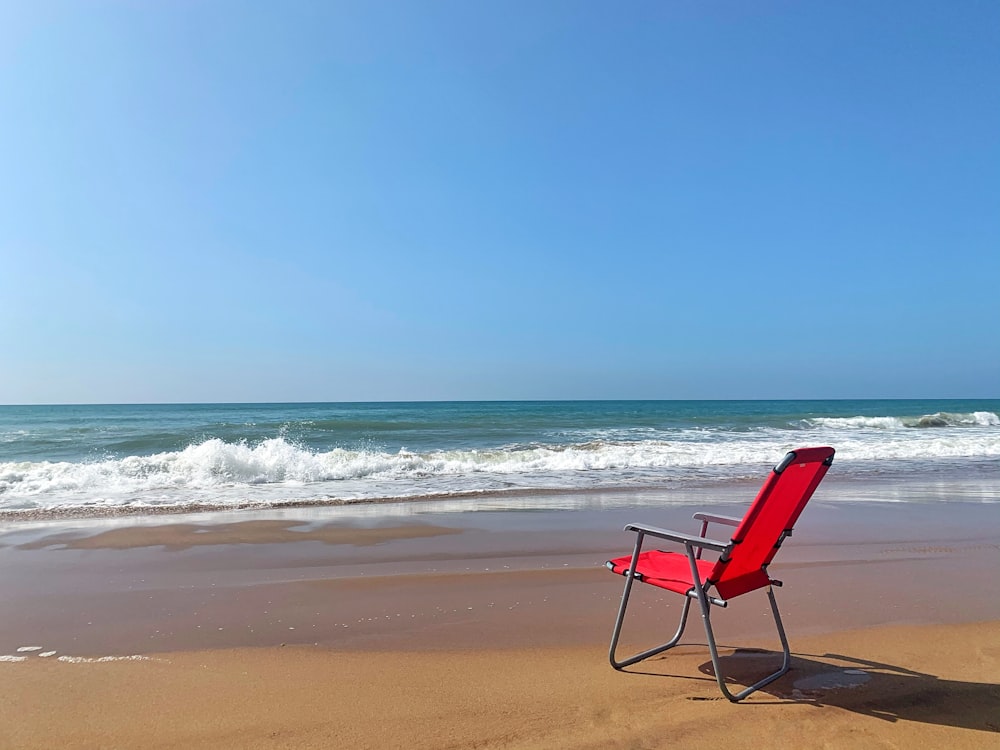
x: 668, y: 570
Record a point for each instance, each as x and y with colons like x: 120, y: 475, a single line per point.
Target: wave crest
x: 939, y: 419
x: 277, y: 470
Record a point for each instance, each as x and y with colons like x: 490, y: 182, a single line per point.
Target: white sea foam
x: 100, y: 659
x: 77, y: 659
x: 986, y: 419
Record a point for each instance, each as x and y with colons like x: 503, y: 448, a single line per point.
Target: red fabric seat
x: 668, y: 570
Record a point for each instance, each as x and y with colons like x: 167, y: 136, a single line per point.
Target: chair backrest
x: 769, y: 520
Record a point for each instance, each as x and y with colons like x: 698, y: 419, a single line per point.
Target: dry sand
x: 929, y: 686
x: 488, y: 631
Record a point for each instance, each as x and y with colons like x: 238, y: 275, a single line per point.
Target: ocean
x: 140, y: 458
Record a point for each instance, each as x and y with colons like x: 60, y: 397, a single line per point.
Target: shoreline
x: 921, y: 489
x: 627, y: 492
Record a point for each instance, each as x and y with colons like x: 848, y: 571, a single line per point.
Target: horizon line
x: 497, y: 401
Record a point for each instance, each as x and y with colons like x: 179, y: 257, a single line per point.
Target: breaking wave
x: 276, y: 470
x: 940, y: 419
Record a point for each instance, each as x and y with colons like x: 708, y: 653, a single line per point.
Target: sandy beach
x: 316, y: 629
x: 341, y: 342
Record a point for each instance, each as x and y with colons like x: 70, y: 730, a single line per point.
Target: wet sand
x: 327, y: 629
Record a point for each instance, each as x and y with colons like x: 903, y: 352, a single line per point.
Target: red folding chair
x: 742, y: 563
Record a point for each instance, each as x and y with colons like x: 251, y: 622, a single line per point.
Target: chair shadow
x: 882, y: 691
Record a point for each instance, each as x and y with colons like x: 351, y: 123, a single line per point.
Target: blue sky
x: 248, y: 201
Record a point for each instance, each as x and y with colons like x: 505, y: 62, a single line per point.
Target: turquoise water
x: 220, y: 455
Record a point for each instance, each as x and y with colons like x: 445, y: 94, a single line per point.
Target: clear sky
x: 292, y: 201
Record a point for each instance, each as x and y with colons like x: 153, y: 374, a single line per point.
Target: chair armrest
x: 714, y: 518
x: 676, y: 536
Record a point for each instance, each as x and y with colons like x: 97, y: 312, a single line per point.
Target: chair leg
x: 621, y: 664
x: 719, y: 677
